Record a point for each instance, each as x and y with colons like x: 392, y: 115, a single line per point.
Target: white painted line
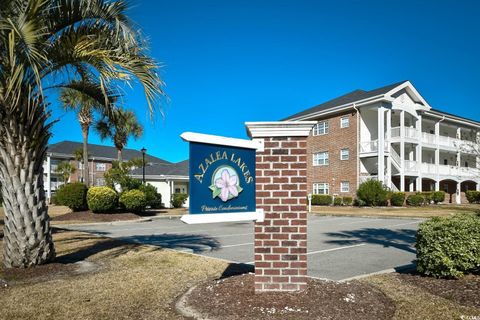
x: 326, y: 250
x: 237, y: 245
x: 401, y: 224
x: 337, y: 248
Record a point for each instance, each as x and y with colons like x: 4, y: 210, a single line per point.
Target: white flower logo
x: 225, y: 184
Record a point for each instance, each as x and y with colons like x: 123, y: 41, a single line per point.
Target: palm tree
x: 90, y: 46
x: 65, y: 169
x: 122, y: 125
x: 84, y: 106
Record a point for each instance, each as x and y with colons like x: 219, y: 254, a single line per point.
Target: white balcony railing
x: 410, y: 165
x: 371, y: 146
x: 446, y: 170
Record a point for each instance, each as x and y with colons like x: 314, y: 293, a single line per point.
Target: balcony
x: 371, y: 146
x: 446, y: 170
x: 466, y: 146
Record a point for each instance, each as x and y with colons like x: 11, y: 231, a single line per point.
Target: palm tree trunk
x: 23, y: 145
x: 120, y: 158
x: 86, y: 177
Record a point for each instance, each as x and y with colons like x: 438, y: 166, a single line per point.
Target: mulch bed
x: 88, y: 216
x: 464, y: 291
x: 234, y: 298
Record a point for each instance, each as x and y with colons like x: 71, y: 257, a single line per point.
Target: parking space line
x: 401, y: 224
x: 237, y: 245
x: 337, y: 248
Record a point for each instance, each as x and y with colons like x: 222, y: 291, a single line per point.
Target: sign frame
x: 255, y: 144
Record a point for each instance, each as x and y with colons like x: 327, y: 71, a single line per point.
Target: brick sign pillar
x: 281, y: 191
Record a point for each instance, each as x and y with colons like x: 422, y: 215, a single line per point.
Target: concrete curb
x: 398, y: 269
x: 114, y: 223
x: 364, y: 216
x: 186, y: 311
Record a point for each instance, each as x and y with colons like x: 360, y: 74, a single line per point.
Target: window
x: 320, y: 128
x: 320, y: 158
x: 320, y: 188
x: 345, y: 186
x: 445, y: 161
x: 344, y: 122
x: 100, y: 182
x: 100, y: 167
x: 80, y: 165
x: 344, y: 154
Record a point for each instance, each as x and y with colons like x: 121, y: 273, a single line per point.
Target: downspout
x: 358, y: 143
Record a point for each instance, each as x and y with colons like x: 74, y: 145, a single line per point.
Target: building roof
x: 350, y: 97
x: 163, y: 169
x: 99, y: 151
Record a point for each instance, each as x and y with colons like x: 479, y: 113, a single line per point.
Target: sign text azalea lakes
x: 213, y: 157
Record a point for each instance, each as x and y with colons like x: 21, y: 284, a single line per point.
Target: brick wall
x: 336, y: 139
x: 281, y: 240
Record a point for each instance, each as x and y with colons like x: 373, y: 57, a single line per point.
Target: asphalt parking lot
x: 339, y: 248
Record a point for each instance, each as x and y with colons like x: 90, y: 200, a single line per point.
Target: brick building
x: 166, y: 176
x: 393, y: 135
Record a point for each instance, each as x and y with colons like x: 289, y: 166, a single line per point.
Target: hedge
x: 415, y: 200
x: 154, y: 199
x: 101, y: 199
x: 473, y: 196
x: 178, y: 199
x: 449, y: 247
x: 321, y: 200
x: 347, y: 201
x: 337, y: 201
x: 397, y: 199
x: 372, y: 193
x: 438, y: 196
x: 72, y: 195
x: 133, y: 200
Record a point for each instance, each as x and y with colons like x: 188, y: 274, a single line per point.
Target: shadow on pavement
x: 191, y: 242
x: 403, y: 239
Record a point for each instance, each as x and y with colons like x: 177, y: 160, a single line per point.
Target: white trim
x: 257, y: 216
x: 223, y: 141
x: 279, y: 129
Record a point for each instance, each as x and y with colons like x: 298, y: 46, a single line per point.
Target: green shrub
x: 438, y: 196
x: 359, y: 203
x: 373, y: 193
x: 427, y: 197
x: 347, y: 201
x: 415, y: 200
x: 133, y: 200
x: 449, y: 247
x: 154, y: 199
x: 72, y: 195
x: 321, y: 200
x: 178, y: 199
x: 473, y: 196
x: 397, y: 199
x: 337, y: 201
x: 101, y: 199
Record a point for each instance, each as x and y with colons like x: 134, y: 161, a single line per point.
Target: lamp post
x: 143, y: 150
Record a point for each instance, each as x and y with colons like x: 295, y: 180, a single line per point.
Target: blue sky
x: 227, y: 62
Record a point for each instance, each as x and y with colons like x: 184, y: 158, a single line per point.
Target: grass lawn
x: 413, y: 212
x: 129, y: 281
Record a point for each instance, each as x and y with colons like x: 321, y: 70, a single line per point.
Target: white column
x: 381, y: 144
x: 418, y: 157
x: 388, y: 139
x: 437, y: 185
x: 477, y: 187
x: 49, y: 178
x: 437, y: 152
x: 402, y: 150
x: 411, y: 185
x: 458, y: 199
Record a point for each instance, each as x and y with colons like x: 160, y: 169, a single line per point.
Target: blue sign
x: 222, y: 179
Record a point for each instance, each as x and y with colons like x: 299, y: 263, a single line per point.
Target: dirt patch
x: 38, y: 272
x: 234, y: 298
x: 88, y: 216
x: 464, y: 291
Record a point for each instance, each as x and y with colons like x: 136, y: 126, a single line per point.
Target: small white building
x: 168, y: 178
